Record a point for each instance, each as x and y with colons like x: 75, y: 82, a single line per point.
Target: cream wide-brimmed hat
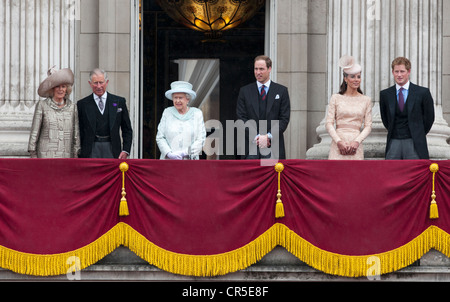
x: 349, y: 65
x: 181, y: 87
x: 55, y: 78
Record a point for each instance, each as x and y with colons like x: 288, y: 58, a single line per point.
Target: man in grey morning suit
x: 266, y: 103
x: 102, y: 116
x: 407, y: 112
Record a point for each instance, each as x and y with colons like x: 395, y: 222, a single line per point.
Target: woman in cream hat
x: 55, y: 130
x: 351, y: 111
x: 181, y: 131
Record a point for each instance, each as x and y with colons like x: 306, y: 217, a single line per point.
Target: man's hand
x: 123, y: 155
x: 263, y: 141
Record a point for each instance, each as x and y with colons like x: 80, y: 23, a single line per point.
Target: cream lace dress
x: 349, y: 118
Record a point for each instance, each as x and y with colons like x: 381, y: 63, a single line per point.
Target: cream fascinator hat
x: 54, y: 79
x: 180, y: 87
x: 348, y: 65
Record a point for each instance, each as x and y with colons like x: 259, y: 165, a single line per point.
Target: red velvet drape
x: 212, y: 207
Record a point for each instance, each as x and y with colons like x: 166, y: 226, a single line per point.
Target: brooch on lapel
x: 277, y: 97
x: 118, y: 109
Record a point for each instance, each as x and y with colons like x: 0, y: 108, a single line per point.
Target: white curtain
x: 203, y: 75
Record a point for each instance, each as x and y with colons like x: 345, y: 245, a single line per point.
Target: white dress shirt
x: 266, y: 84
x: 405, y: 90
x: 97, y: 100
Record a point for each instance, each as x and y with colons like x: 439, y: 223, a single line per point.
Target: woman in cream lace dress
x: 349, y: 117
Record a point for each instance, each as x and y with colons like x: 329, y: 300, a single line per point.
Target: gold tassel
x: 434, y: 214
x: 279, y: 208
x: 123, y: 207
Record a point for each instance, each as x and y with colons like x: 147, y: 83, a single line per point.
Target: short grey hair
x: 98, y: 71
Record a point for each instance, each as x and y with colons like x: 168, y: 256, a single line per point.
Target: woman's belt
x: 343, y: 126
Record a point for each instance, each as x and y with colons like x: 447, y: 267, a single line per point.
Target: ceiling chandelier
x: 211, y: 17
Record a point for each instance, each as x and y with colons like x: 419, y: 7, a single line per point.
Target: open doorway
x: 204, y: 75
x: 217, y: 70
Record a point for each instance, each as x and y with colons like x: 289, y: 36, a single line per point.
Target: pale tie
x: 100, y: 104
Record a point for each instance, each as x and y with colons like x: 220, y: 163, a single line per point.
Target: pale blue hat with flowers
x: 180, y: 87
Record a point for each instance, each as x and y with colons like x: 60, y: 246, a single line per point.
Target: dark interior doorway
x: 165, y: 42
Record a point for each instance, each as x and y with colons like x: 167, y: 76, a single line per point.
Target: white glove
x: 182, y: 154
x: 176, y: 155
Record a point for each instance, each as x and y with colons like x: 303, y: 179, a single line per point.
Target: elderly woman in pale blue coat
x: 181, y: 131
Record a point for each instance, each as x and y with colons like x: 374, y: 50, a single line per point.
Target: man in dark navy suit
x: 267, y: 105
x: 407, y: 112
x: 102, y: 116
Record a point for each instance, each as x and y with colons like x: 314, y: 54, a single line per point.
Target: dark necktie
x: 263, y: 93
x: 401, y: 100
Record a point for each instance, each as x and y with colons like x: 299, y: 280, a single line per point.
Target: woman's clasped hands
x: 347, y: 148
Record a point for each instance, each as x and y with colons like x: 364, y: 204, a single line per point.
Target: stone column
x: 300, y: 59
x: 35, y: 36
x: 375, y: 32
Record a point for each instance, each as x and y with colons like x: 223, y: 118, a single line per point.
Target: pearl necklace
x: 59, y: 103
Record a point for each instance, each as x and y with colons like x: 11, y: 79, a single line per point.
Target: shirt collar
x: 267, y: 84
x: 97, y: 98
x: 406, y: 86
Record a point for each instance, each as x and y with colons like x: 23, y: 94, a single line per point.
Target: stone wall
x: 310, y: 36
x: 302, y: 67
x: 78, y: 34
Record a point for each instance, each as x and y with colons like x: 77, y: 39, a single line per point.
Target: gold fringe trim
x: 224, y: 263
x: 362, y: 266
x: 57, y: 264
x: 203, y: 265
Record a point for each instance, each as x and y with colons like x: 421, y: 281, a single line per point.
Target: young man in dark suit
x: 407, y: 112
x: 264, y: 107
x: 101, y: 116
